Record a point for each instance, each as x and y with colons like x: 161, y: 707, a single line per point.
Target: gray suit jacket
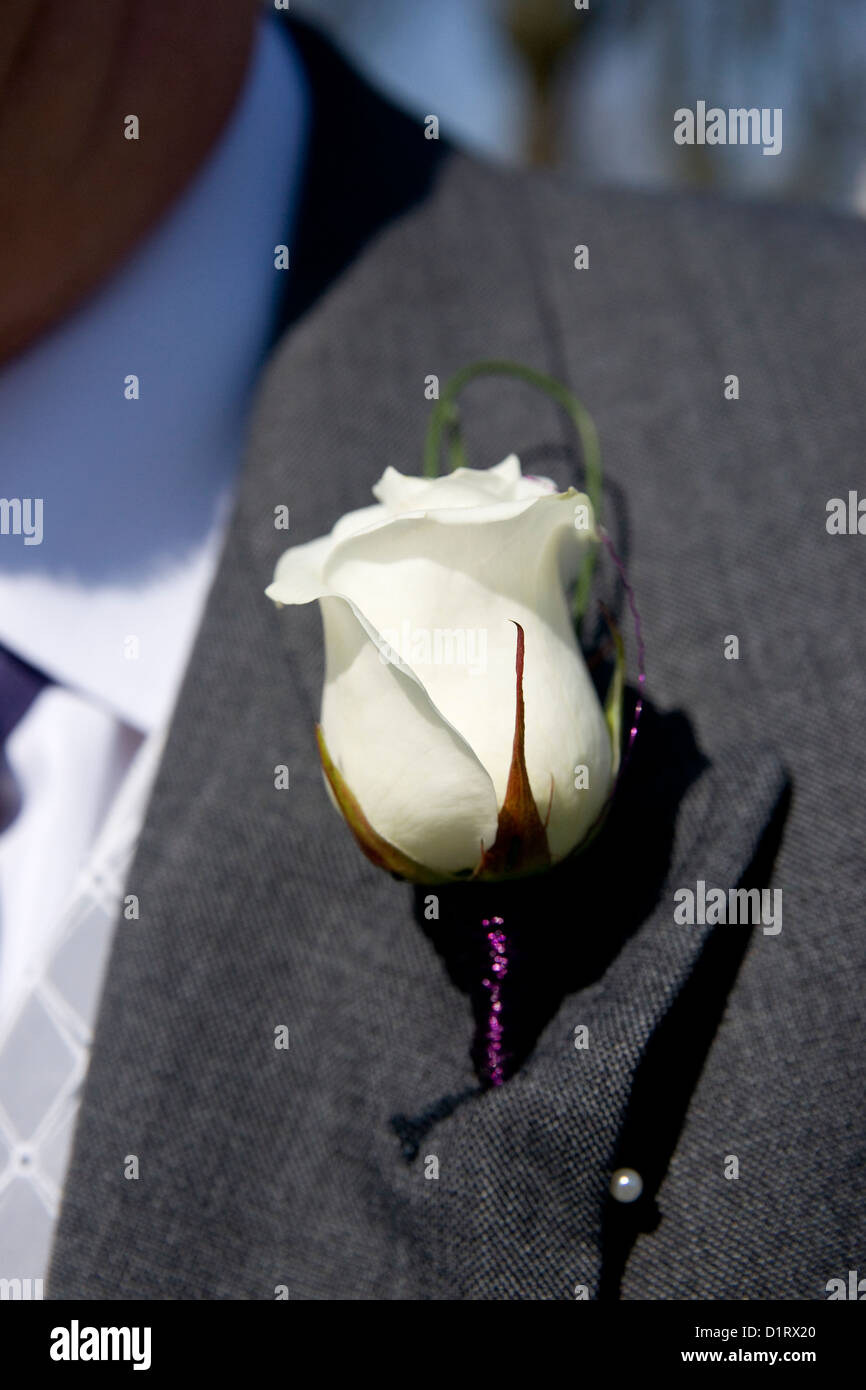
x: 306, y: 1167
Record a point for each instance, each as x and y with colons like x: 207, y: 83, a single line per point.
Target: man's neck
x: 82, y: 184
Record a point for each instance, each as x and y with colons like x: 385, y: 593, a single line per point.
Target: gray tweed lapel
x: 262, y: 1167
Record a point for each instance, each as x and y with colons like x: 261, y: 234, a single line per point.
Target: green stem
x: 445, y: 419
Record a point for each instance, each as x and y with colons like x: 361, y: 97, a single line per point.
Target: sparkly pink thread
x: 498, y: 970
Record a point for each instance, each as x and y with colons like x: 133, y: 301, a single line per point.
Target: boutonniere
x: 461, y: 735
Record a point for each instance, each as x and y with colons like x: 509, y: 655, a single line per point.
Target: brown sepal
x: 521, y: 844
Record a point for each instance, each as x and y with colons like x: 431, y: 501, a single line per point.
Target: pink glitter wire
x: 498, y: 969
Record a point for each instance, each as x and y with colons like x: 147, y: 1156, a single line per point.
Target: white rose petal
x: 425, y: 745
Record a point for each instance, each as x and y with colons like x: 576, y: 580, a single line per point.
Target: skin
x: 75, y: 195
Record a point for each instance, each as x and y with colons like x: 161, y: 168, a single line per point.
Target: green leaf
x: 445, y: 421
x: 614, y: 700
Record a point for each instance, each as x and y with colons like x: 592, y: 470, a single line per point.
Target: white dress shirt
x: 135, y: 492
x: 135, y: 497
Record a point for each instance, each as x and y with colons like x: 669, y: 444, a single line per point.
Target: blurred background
x: 594, y: 91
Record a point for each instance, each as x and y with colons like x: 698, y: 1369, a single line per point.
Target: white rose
x: 420, y: 597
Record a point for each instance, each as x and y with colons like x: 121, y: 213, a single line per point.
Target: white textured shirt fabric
x: 135, y: 491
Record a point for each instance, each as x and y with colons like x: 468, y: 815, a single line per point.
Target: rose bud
x: 461, y: 733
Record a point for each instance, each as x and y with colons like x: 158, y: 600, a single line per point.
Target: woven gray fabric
x: 261, y: 1167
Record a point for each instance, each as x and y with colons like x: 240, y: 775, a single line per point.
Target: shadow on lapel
x: 594, y: 945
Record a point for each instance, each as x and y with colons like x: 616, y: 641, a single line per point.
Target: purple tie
x: 20, y: 683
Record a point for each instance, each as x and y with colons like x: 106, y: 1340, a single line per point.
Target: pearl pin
x: 626, y: 1185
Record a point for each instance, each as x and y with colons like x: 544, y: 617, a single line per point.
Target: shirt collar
x: 135, y: 492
